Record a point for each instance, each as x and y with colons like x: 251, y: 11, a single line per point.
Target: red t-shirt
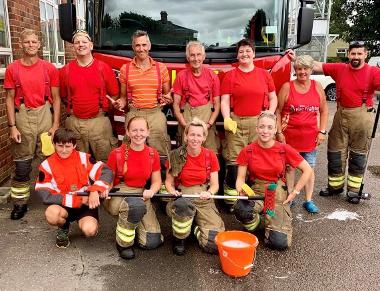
x: 268, y: 163
x: 352, y: 83
x: 248, y: 90
x: 140, y: 165
x: 85, y: 85
x: 201, y: 89
x: 32, y: 79
x: 303, y: 108
x: 194, y: 171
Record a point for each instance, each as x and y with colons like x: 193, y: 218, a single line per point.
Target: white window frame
x: 81, y: 14
x: 46, y: 53
x: 6, y: 51
x: 341, y: 51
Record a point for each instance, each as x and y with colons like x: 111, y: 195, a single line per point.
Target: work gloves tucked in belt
x: 230, y: 125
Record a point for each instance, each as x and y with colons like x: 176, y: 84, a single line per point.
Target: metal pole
x: 192, y: 196
x: 369, y: 150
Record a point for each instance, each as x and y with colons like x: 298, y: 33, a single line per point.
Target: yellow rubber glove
x: 248, y: 190
x: 47, y: 144
x: 230, y: 125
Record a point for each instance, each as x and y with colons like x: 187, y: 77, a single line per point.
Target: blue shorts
x: 310, y: 157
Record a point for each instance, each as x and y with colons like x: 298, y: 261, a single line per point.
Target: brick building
x: 42, y: 16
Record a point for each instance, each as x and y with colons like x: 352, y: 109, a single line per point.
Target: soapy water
x: 343, y: 215
x: 234, y: 243
x: 338, y: 214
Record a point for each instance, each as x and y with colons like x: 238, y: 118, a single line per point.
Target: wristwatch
x: 11, y: 125
x: 324, y: 132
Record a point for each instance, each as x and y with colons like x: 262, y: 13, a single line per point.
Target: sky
x: 214, y: 20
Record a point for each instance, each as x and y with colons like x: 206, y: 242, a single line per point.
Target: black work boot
x: 325, y: 192
x: 126, y: 253
x: 179, y: 246
x: 18, y: 211
x: 354, y: 198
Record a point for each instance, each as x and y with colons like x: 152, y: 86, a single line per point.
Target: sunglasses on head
x: 81, y: 31
x: 357, y: 43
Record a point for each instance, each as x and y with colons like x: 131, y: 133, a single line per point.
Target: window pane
x: 60, y: 41
x: 52, y: 42
x: 44, y: 26
x: 61, y: 60
x: 4, y: 61
x: 3, y: 31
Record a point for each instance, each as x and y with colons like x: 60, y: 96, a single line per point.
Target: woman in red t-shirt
x: 299, y: 103
x: 246, y: 91
x: 134, y: 164
x: 265, y: 161
x: 193, y: 169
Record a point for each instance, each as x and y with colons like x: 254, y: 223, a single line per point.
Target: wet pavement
x: 337, y: 249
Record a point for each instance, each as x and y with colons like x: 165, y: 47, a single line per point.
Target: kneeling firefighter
x: 266, y: 161
x: 134, y: 163
x: 193, y: 169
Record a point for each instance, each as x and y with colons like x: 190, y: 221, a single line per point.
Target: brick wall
x: 22, y: 14
x: 5, y: 156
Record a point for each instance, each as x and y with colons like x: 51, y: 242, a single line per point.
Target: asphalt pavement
x: 337, y: 249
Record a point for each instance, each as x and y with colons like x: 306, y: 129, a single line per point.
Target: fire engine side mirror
x: 67, y: 21
x: 305, y: 23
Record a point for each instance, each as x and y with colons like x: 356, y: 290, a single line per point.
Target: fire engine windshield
x: 172, y: 23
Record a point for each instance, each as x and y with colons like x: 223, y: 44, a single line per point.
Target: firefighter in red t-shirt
x: 193, y: 169
x: 265, y: 162
x: 350, y: 133
x: 246, y: 91
x: 64, y: 173
x: 134, y: 164
x: 197, y: 94
x: 86, y: 85
x: 32, y: 94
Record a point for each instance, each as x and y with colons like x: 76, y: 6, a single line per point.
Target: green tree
x: 357, y: 20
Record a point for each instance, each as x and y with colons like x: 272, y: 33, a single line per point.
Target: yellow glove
x: 230, y: 125
x: 247, y: 190
x: 47, y: 144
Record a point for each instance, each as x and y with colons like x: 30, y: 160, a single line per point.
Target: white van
x: 375, y: 61
x: 327, y: 83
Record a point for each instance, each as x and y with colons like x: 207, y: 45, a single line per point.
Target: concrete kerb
x: 4, y: 195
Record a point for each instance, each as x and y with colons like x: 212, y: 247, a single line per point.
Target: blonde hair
x: 27, y: 32
x: 267, y: 114
x: 304, y: 61
x: 195, y: 122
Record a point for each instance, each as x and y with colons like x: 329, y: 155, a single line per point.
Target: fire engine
x: 219, y: 25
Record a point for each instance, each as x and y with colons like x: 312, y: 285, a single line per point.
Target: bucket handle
x: 225, y: 254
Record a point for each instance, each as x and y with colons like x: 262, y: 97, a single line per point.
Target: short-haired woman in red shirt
x: 246, y: 91
x: 134, y: 163
x: 265, y: 161
x: 193, y: 169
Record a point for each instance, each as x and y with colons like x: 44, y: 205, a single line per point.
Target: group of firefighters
x: 87, y: 159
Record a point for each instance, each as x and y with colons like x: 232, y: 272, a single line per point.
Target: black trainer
x: 330, y: 192
x: 179, y: 247
x: 126, y: 253
x: 62, y: 239
x: 18, y: 211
